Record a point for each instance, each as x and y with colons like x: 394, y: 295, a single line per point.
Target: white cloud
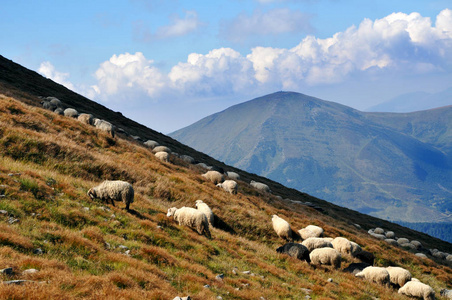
x: 49, y: 71
x: 397, y: 44
x: 273, y: 22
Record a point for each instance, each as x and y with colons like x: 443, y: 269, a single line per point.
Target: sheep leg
x: 112, y: 201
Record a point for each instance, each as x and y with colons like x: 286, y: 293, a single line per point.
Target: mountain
x: 393, y: 166
x: 415, y: 101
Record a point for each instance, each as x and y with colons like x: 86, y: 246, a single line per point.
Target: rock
x: 219, y: 277
x: 306, y: 291
x: 12, y: 220
x: 3, y: 212
x: 29, y: 271
x: 7, y: 271
x: 38, y: 251
x: 17, y: 281
x: 246, y: 272
x: 207, y: 286
x: 123, y: 247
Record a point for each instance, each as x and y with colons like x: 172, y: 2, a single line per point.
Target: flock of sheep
x: 314, y: 249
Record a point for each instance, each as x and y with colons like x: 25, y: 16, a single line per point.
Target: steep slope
x: 359, y: 160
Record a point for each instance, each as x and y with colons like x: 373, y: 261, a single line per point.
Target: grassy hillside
x: 89, y: 249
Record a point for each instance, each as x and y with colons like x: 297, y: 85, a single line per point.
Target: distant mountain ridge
x: 393, y: 166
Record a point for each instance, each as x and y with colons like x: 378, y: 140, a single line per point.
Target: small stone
x: 38, y: 251
x: 306, y: 291
x: 16, y: 281
x: 123, y: 247
x: 29, y: 271
x: 252, y: 274
x: 207, y: 286
x: 307, y: 297
x: 113, y: 216
x: 159, y: 227
x: 127, y: 252
x: 86, y: 208
x: 107, y: 245
x: 3, y: 212
x: 12, y: 220
x: 219, y: 277
x: 330, y: 280
x: 219, y: 297
x: 7, y: 271
x: 246, y: 272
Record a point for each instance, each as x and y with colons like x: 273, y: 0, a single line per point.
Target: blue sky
x: 167, y: 64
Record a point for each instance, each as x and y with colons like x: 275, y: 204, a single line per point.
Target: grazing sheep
x: 439, y: 254
x: 48, y: 105
x: 315, y: 243
x: 104, y: 126
x: 375, y: 274
x: 282, y: 228
x: 401, y: 241
x: 355, y: 268
x: 59, y: 111
x: 233, y: 175
x: 205, y: 209
x: 163, y: 156
x: 366, y: 256
x: 417, y: 289
x: 446, y: 293
x: 295, y: 250
x: 86, y: 118
x: 421, y: 255
x: 378, y: 236
x: 408, y: 246
x: 392, y: 242
x: 356, y: 249
x: 311, y: 231
x: 229, y: 186
x: 342, y: 245
x: 191, y: 217
x: 55, y: 101
x: 416, y: 244
x: 379, y: 230
x: 188, y: 159
x: 398, y: 276
x: 151, y: 144
x: 449, y: 257
x: 325, y: 256
x: 161, y: 149
x: 260, y: 186
x: 70, y: 112
x: 390, y: 234
x: 203, y: 165
x: 113, y: 190
x: 214, y: 176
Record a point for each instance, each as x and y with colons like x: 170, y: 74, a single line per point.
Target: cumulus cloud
x: 48, y: 70
x: 399, y: 43
x: 273, y: 22
x: 178, y: 27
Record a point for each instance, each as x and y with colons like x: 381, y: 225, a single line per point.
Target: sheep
x: 48, y: 105
x: 104, y: 126
x: 325, y: 256
x: 408, y: 246
x: 203, y: 165
x: 59, y: 111
x: 163, y: 156
x: 161, y: 149
x: 282, y: 228
x: 205, y: 209
x: 449, y: 257
x: 86, y: 118
x: 379, y: 230
x: 416, y: 244
x: 378, y: 236
x: 355, y: 268
x: 375, y: 274
x: 188, y: 159
x: 366, y: 256
x: 342, y: 245
x: 417, y: 289
x: 214, y: 176
x: 116, y: 190
x: 229, y: 186
x: 421, y: 255
x: 315, y: 243
x: 70, y: 112
x: 55, y: 101
x: 390, y: 234
x: 295, y: 250
x: 233, y: 175
x: 151, y: 144
x: 260, y: 186
x: 398, y: 276
x: 310, y: 231
x: 191, y: 217
x: 401, y: 241
x: 446, y: 293
x: 392, y: 242
x: 356, y: 249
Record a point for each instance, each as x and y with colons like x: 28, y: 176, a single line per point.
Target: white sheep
x: 260, y: 186
x: 59, y: 111
x: 446, y: 293
x: 48, y: 105
x: 379, y: 230
x: 378, y: 236
x: 392, y: 242
x: 86, y: 118
x: 205, y: 209
x: 401, y: 241
x: 315, y: 243
x: 421, y: 255
x: 104, y: 126
x: 161, y: 149
x: 311, y: 231
x: 342, y: 245
x: 191, y: 217
x: 229, y: 186
x: 214, y: 176
x: 233, y: 175
x: 116, y: 190
x: 390, y: 234
x: 325, y: 256
x: 416, y: 244
x: 70, y: 112
x: 282, y: 228
x: 188, y: 159
x: 55, y: 101
x: 398, y: 276
x: 375, y: 274
x: 417, y: 289
x: 163, y: 156
x: 151, y: 144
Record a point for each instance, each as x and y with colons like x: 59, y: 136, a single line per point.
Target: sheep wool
x: 214, y: 176
x: 295, y: 250
x: 70, y: 112
x: 375, y: 274
x: 229, y: 186
x: 104, y: 126
x: 282, y: 228
x: 342, y: 245
x: 315, y: 243
x: 116, y: 190
x: 311, y: 231
x: 398, y: 276
x: 86, y: 118
x: 151, y: 144
x: 260, y: 186
x: 161, y: 149
x: 205, y: 209
x: 325, y: 256
x: 163, y: 156
x: 356, y: 249
x: 417, y: 289
x: 233, y: 175
x: 191, y: 217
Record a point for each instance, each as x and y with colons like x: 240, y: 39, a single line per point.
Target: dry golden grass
x: 93, y: 250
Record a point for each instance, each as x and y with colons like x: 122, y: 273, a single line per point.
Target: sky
x: 169, y: 63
